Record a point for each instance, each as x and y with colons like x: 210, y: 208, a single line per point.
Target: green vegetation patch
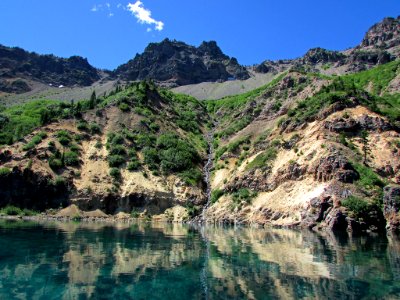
x: 379, y: 77
x: 11, y: 210
x: 4, y: 171
x: 262, y: 159
x: 20, y: 120
x: 216, y: 194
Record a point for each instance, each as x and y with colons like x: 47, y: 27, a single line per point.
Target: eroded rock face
x: 391, y: 207
x: 316, y: 211
x: 383, y: 34
x: 364, y: 122
x: 25, y: 188
x: 335, y: 167
x: 177, y: 63
x: 320, y: 55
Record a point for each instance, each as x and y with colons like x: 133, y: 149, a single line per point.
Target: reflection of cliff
x: 84, y: 265
x: 88, y: 260
x: 294, y: 263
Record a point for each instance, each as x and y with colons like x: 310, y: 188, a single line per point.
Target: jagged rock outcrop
x: 18, y: 65
x: 380, y: 45
x: 176, y: 63
x: 335, y: 167
x: 384, y: 34
x: 391, y: 207
x: 363, y: 122
x: 319, y: 55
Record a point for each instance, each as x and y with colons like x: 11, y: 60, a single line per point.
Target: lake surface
x: 165, y: 261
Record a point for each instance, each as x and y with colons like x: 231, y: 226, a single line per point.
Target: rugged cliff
x: 176, y: 63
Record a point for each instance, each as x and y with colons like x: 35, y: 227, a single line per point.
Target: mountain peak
x: 177, y: 63
x: 384, y: 34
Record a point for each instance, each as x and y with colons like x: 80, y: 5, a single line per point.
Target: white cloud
x: 95, y: 8
x: 149, y: 29
x: 144, y: 15
x: 110, y: 15
x: 108, y: 5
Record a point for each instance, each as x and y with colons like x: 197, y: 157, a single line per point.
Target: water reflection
x: 172, y: 261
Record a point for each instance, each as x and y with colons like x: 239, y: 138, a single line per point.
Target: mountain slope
x: 292, y: 152
x: 138, y: 149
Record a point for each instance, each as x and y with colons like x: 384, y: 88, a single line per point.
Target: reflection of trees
x: 292, y: 264
x: 93, y: 255
x: 84, y: 260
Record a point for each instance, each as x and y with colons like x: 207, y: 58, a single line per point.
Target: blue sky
x: 109, y: 32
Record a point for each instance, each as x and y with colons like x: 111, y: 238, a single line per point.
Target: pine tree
x: 365, y: 147
x: 93, y: 100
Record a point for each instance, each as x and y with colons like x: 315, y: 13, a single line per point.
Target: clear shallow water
x: 164, y: 261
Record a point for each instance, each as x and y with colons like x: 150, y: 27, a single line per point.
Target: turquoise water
x: 164, y: 261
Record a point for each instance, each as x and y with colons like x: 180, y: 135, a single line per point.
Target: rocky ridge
x: 380, y: 45
x: 18, y: 67
x: 176, y: 63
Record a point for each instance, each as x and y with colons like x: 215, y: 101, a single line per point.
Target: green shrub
x: 78, y: 137
x: 133, y: 165
x: 143, y: 111
x: 51, y: 146
x: 28, y: 213
x: 11, y: 210
x: 124, y: 107
x: 59, y: 181
x: 151, y: 158
x: 368, y: 178
x: 115, y: 139
x: 5, y: 171
x: 115, y: 161
x: 71, y: 158
x: 64, y: 140
x: 94, y: 128
x: 63, y: 133
x: 357, y: 206
x: 145, y: 140
x: 55, y: 163
x: 115, y: 173
x: 82, y: 125
x: 243, y: 195
x: 28, y: 146
x: 154, y: 126
x: 118, y: 150
x: 36, y: 139
x: 216, y: 194
x: 191, y: 177
x: 135, y: 213
x: 192, y: 209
